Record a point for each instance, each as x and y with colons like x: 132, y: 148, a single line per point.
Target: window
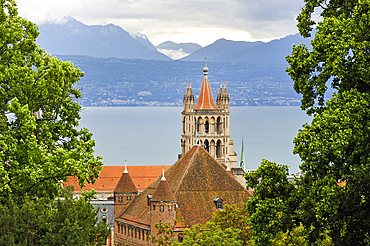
x: 120, y: 199
x: 128, y: 198
x: 153, y: 207
x: 161, y: 208
x: 104, y: 220
x: 206, y: 145
x: 170, y: 208
x: 219, y: 203
x: 104, y: 210
x: 206, y: 127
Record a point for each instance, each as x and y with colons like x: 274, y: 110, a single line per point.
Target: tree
x: 340, y: 51
x: 334, y: 148
x: 165, y: 234
x: 227, y: 227
x: 335, y: 188
x: 61, y: 222
x: 273, y: 207
x: 39, y: 143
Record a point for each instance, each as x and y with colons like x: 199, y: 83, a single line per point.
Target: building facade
x: 207, y: 124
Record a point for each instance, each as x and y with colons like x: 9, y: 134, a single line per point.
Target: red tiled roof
x: 205, y: 100
x: 125, y: 184
x: 163, y: 193
x: 196, y: 179
x: 142, y: 176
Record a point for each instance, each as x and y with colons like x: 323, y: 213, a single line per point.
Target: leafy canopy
x: 340, y: 51
x: 39, y: 143
x: 335, y: 151
x: 334, y: 148
x: 227, y: 227
x: 61, y: 222
x: 273, y: 206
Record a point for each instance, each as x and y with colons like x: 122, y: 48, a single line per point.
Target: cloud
x: 193, y: 20
x: 144, y: 93
x: 174, y: 54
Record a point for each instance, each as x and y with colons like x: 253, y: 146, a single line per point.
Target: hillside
x: 76, y: 38
x: 128, y: 82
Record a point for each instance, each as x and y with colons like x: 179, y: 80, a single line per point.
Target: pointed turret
x: 162, y: 205
x: 205, y: 100
x: 124, y: 193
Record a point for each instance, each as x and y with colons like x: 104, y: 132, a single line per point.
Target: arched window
x: 206, y: 145
x: 184, y: 125
x: 206, y: 127
x: 218, y: 125
x: 218, y: 149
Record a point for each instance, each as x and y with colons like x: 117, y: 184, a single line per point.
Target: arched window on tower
x: 206, y: 127
x: 184, y: 125
x: 218, y: 125
x: 206, y: 145
x: 218, y: 149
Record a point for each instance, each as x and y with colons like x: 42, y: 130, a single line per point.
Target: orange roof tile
x: 142, y: 176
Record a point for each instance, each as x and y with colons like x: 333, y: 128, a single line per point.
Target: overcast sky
x: 197, y: 21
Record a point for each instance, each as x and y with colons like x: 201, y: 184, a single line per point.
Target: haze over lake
x: 151, y: 135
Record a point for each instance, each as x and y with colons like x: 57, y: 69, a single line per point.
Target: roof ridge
x: 186, y: 171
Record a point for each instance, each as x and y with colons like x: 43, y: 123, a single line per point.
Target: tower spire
x: 242, y: 159
x: 205, y: 99
x: 125, y: 167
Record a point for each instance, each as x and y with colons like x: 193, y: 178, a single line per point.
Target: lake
x: 151, y: 135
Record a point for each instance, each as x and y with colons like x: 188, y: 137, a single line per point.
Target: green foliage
x: 340, y: 51
x: 39, y: 143
x: 227, y: 227
x: 67, y: 191
x: 63, y: 222
x: 335, y: 148
x: 165, y: 234
x: 272, y: 208
x: 36, y: 153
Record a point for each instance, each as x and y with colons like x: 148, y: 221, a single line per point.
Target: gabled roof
x: 125, y: 184
x: 205, y: 100
x: 195, y: 180
x: 142, y: 176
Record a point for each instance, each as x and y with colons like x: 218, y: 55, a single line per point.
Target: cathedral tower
x: 206, y: 123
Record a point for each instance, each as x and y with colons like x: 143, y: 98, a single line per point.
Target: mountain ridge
x: 76, y: 38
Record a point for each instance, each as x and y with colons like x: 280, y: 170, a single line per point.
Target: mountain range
x: 76, y: 38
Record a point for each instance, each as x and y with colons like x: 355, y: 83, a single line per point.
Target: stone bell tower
x: 206, y: 124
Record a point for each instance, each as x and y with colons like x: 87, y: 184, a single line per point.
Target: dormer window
x: 219, y: 203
